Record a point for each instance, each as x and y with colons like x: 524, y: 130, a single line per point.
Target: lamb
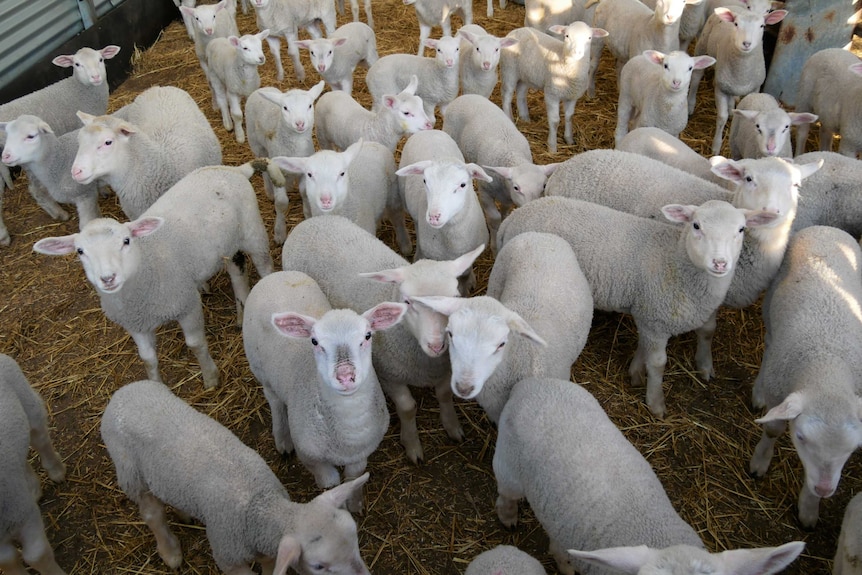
x: 438, y: 76
x: 503, y: 559
x: 24, y: 422
x: 658, y: 145
x: 675, y: 280
x: 542, y: 62
x: 335, y: 58
x: 619, y: 510
x: 761, y: 128
x: 848, y: 555
x: 167, y: 453
x: 654, y: 91
x: 830, y: 87
x: 811, y: 373
x: 342, y: 121
x: 188, y: 19
x: 161, y: 137
x: 542, y: 14
x: 832, y: 196
x: 480, y: 55
x: 211, y: 21
x: 354, y: 9
x: 86, y: 90
x: 356, y: 270
x: 144, y: 282
x: 281, y: 124
x: 437, y: 191
x: 488, y: 138
x: 32, y: 144
x: 325, y: 399
x: 431, y: 13
x: 691, y: 21
x: 732, y: 35
x: 536, y: 291
x: 284, y: 18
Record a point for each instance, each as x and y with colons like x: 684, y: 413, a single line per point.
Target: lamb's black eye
x: 80, y: 251
x: 749, y: 179
x: 367, y: 336
x: 695, y: 225
x: 463, y: 184
x: 314, y: 341
x: 742, y: 229
x: 127, y: 241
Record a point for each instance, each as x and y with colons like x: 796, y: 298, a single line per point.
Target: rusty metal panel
x: 810, y: 26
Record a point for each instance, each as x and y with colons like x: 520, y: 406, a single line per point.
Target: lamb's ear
x: 749, y: 114
x: 64, y: 61
x: 316, y: 90
x: 462, y: 263
x: 338, y: 496
x: 725, y: 14
x: 292, y: 324
x: 477, y: 173
x: 58, y: 246
x: 272, y: 94
x: 415, y: 169
x: 599, y: 33
x: 702, y: 62
x: 654, y: 56
x: 144, y: 226
x: 624, y: 559
x: 440, y: 303
x: 85, y: 118
x: 292, y: 165
x: 727, y: 169
x: 549, y: 169
x: 788, y: 409
x: 109, y: 51
x: 339, y: 42
x: 411, y: 87
x: 518, y: 325
x: 502, y: 170
x: 385, y: 315
x: 757, y: 218
x: 353, y: 150
x: 393, y: 276
x: 289, y: 552
x: 760, y: 561
x: 775, y: 16
x: 797, y: 118
x: 856, y: 68
x: 678, y: 213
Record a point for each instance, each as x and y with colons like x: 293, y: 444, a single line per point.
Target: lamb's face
x: 341, y: 341
x: 100, y: 145
x: 770, y: 184
x: 477, y: 346
x: 24, y: 137
x: 713, y: 235
x: 824, y: 446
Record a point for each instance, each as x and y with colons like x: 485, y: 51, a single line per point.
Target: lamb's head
x: 102, y: 143
x: 478, y: 330
x: 447, y: 51
x: 668, y: 12
x: 108, y: 250
x: 677, y: 67
x: 578, y: 38
x: 713, y: 233
x: 691, y: 560
x: 525, y: 182
x: 205, y: 15
x: 748, y: 26
x: 341, y: 341
x: 326, y: 175
x: 297, y: 106
x: 89, y: 64
x: 24, y: 138
x: 408, y: 108
x: 447, y: 186
x: 485, y: 49
x: 321, y: 51
x: 773, y: 127
x: 250, y: 47
x: 427, y: 278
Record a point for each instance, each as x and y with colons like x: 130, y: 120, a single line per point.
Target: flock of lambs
x: 698, y: 234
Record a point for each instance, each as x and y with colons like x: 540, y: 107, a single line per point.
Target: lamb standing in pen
x: 167, y: 453
x: 325, y: 400
x: 811, y: 375
x: 480, y: 55
x: 761, y: 128
x: 210, y: 21
x: 431, y: 13
x: 600, y: 495
x: 335, y: 58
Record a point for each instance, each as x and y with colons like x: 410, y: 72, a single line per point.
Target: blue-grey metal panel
x: 105, y: 6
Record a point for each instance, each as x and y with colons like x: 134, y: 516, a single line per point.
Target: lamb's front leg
x: 146, y: 343
x: 192, y: 325
x: 652, y: 348
x: 275, y: 49
x: 703, y: 355
x: 352, y: 471
x: 153, y: 513
x: 723, y: 103
x: 552, y: 106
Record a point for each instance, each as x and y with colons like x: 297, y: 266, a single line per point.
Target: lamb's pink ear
x: 654, y: 56
x: 508, y: 42
x: 338, y: 496
x: 234, y: 40
x: 749, y: 114
x: 775, y: 16
x: 58, y: 246
x: 393, y: 276
x: 788, y: 409
x: 797, y: 118
x: 600, y: 33
x: 462, y: 263
x: 764, y: 560
x: 856, y: 68
x: 289, y: 551
x: 187, y: 10
x: 477, y: 173
x: 758, y: 218
x: 339, y: 42
x: 144, y: 226
x: 292, y: 324
x: 416, y: 169
x: 64, y: 61
x: 518, y: 325
x: 385, y: 315
x: 85, y: 118
x: 502, y: 170
x: 702, y: 62
x: 315, y: 91
x: 725, y: 14
x: 623, y: 559
x: 678, y: 212
x: 109, y: 52
x: 292, y: 165
x: 389, y: 101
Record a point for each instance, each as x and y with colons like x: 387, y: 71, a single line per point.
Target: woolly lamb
x: 830, y: 87
x: 24, y: 422
x: 325, y: 399
x: 480, y: 54
x: 654, y: 91
x: 33, y: 145
x: 733, y: 37
x: 438, y: 76
x: 675, y: 279
x: 431, y: 13
x: 504, y: 559
x: 144, y: 282
x: 335, y: 58
x: 618, y: 509
x: 281, y: 124
x: 86, y: 90
x: 560, y: 68
x: 658, y: 145
x: 161, y: 137
x: 167, y: 453
x: 436, y: 189
x: 811, y: 374
x: 285, y: 18
x: 211, y: 21
x: 761, y: 128
x: 342, y: 258
x: 342, y: 121
x: 832, y: 196
x: 536, y: 291
x: 488, y: 138
x: 848, y: 555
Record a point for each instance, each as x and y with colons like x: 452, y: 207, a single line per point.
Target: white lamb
x: 33, y: 145
x: 600, y: 495
x: 480, y: 55
x: 167, y: 453
x: 342, y: 258
x: 24, y: 422
x: 436, y: 189
x: 210, y: 21
x: 831, y: 87
x: 504, y: 559
x: 285, y: 18
x: 325, y: 399
x: 281, y: 124
x: 537, y: 292
x: 86, y: 90
x: 654, y: 91
x: 233, y: 64
x: 162, y: 136
x: 431, y: 13
x: 733, y: 37
x: 692, y: 20
x: 335, y: 58
x: 487, y: 137
x: 342, y: 121
x: 848, y: 554
x: 354, y: 9
x: 811, y: 374
x: 670, y: 278
x: 197, y: 226
x: 761, y: 128
x: 438, y: 76
x: 832, y: 196
x: 560, y: 68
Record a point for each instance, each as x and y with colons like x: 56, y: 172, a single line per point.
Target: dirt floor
x: 430, y: 519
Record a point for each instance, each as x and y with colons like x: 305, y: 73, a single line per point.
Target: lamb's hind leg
x: 153, y: 513
x: 238, y: 271
x: 192, y: 325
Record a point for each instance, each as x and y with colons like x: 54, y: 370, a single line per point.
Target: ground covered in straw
x: 431, y: 519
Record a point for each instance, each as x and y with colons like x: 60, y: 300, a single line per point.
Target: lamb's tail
x: 263, y: 165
